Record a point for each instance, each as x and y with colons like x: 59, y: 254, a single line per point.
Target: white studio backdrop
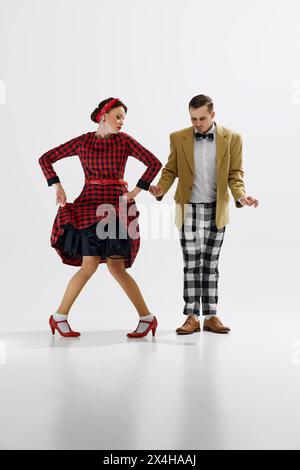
x: 59, y: 59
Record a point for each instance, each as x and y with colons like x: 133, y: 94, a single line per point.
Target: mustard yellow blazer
x: 181, y: 165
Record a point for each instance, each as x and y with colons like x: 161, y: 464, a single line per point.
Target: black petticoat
x: 85, y: 242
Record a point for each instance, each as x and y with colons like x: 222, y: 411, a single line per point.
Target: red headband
x: 106, y: 108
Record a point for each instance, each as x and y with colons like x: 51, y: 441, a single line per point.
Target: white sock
x: 208, y: 317
x: 194, y: 315
x: 143, y: 326
x: 63, y: 326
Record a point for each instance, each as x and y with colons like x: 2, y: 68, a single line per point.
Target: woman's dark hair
x: 100, y: 106
x: 201, y: 100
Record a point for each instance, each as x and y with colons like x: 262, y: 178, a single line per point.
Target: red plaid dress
x: 100, y: 158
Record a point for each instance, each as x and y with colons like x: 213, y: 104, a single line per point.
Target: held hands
x: 156, y: 191
x: 249, y: 201
x: 61, y: 197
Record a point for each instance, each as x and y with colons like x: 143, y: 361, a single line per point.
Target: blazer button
x: 191, y: 187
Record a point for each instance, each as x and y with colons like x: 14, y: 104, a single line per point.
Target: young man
x: 207, y: 159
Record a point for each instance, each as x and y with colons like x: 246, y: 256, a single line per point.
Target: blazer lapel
x: 221, y: 144
x: 188, y: 147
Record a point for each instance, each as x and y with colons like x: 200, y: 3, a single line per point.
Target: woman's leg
x: 89, y: 266
x: 117, y: 268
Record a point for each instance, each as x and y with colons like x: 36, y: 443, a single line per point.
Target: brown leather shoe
x: 215, y: 325
x: 191, y: 325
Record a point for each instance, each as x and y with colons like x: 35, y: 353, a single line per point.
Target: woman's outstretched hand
x: 61, y: 197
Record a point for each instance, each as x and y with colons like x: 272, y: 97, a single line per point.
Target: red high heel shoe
x: 152, y: 326
x: 54, y: 326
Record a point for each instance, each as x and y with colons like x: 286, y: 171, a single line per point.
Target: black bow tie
x: 199, y: 136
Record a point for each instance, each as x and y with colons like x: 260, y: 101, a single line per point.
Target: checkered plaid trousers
x: 201, y: 243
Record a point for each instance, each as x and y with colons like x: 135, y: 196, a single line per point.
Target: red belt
x: 106, y: 181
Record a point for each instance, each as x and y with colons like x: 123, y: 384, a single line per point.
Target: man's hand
x: 61, y: 197
x: 156, y: 191
x: 249, y: 201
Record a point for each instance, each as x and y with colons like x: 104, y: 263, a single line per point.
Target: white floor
x: 202, y: 391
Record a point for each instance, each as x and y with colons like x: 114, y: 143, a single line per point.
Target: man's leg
x: 191, y: 240
x: 213, y: 240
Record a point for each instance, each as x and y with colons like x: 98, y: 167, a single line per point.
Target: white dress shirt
x: 205, y: 180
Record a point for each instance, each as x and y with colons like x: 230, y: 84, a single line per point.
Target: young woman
x: 101, y: 225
